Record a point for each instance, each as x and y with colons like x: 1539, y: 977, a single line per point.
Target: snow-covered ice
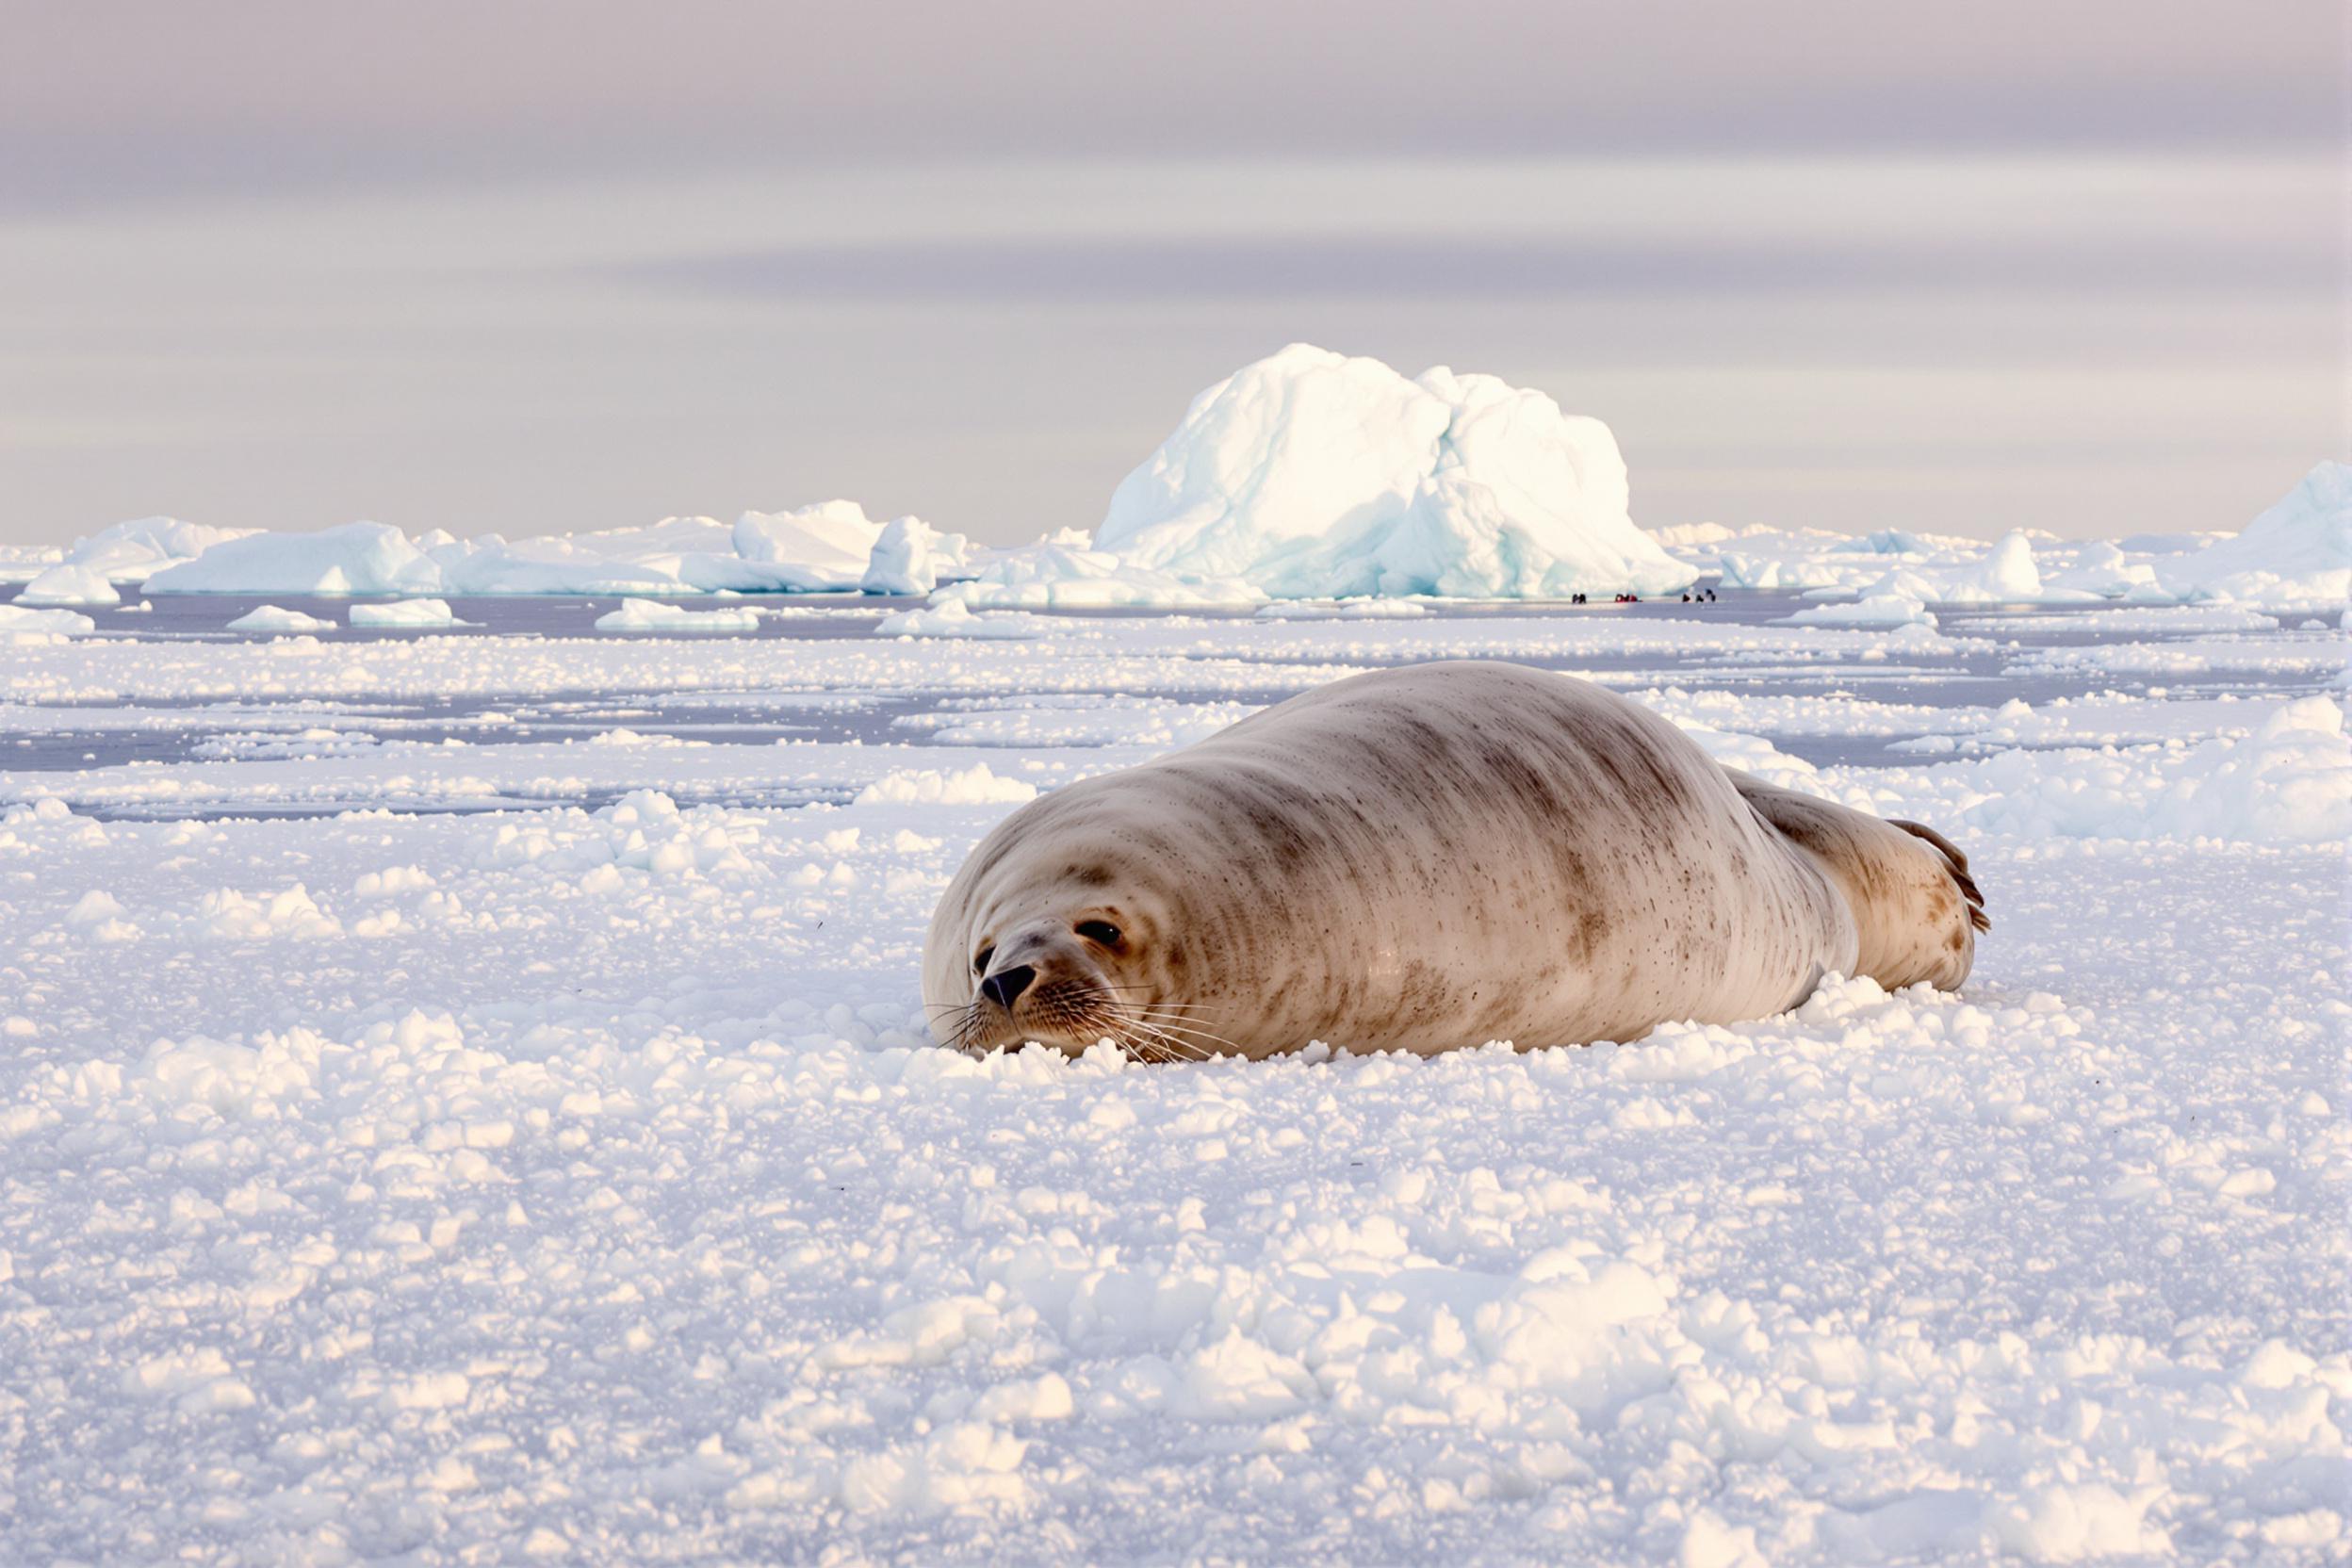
x: 467, y: 1098
x: 405, y: 615
x: 20, y: 625
x: 954, y: 618
x: 1888, y: 608
x: 274, y: 617
x: 653, y: 615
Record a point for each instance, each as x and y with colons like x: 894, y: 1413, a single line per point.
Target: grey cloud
x: 107, y: 100
x: 1385, y: 266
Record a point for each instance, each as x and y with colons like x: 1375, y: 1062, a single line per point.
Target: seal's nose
x: 1005, y: 987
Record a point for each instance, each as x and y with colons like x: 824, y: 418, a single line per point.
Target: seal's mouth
x: 1074, y: 1014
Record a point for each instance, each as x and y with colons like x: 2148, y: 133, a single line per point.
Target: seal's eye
x: 1101, y: 932
x: 980, y: 964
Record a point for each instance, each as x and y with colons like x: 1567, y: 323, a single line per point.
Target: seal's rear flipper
x: 1959, y: 866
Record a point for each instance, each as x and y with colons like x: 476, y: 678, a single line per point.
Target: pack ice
x: 466, y: 1097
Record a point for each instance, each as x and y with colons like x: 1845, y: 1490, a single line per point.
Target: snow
x: 1311, y: 475
x: 271, y: 617
x: 406, y: 615
x: 467, y: 1098
x: 652, y: 615
x: 356, y: 558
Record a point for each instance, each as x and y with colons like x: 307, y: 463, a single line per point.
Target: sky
x: 549, y: 267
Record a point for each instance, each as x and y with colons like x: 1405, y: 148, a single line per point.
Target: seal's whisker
x: 1190, y: 1038
x: 1179, y: 1049
x: 1187, y: 1026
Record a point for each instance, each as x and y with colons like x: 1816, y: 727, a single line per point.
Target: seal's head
x: 1042, y: 939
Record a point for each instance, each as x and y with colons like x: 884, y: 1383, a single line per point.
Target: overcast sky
x: 539, y: 267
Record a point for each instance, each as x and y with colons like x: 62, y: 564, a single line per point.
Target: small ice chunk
x: 271, y: 617
x: 653, y: 615
x: 406, y: 615
x: 1878, y: 609
x: 954, y: 618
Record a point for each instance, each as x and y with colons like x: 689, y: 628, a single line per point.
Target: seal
x: 1427, y: 859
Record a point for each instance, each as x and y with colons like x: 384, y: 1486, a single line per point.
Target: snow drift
x: 1314, y: 475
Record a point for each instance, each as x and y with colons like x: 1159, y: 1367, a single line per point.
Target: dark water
x: 66, y: 740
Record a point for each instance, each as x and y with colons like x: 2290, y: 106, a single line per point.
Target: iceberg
x: 2297, y: 554
x: 911, y: 555
x: 356, y: 558
x: 491, y: 565
x: 70, y: 583
x: 135, y: 550
x: 829, y: 547
x: 813, y: 548
x: 1313, y: 475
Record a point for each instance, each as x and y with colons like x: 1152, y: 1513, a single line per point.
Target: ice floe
x: 406, y: 615
x: 954, y: 618
x: 578, y: 1178
x: 653, y: 615
x: 18, y: 625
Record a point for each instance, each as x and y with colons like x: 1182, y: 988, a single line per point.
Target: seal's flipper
x: 1958, y: 867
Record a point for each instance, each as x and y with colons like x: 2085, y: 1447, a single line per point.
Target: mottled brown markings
x: 1374, y: 858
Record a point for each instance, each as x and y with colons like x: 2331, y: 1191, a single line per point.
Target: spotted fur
x: 1427, y: 859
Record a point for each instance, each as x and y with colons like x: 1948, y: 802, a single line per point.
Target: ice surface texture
x: 576, y: 1181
